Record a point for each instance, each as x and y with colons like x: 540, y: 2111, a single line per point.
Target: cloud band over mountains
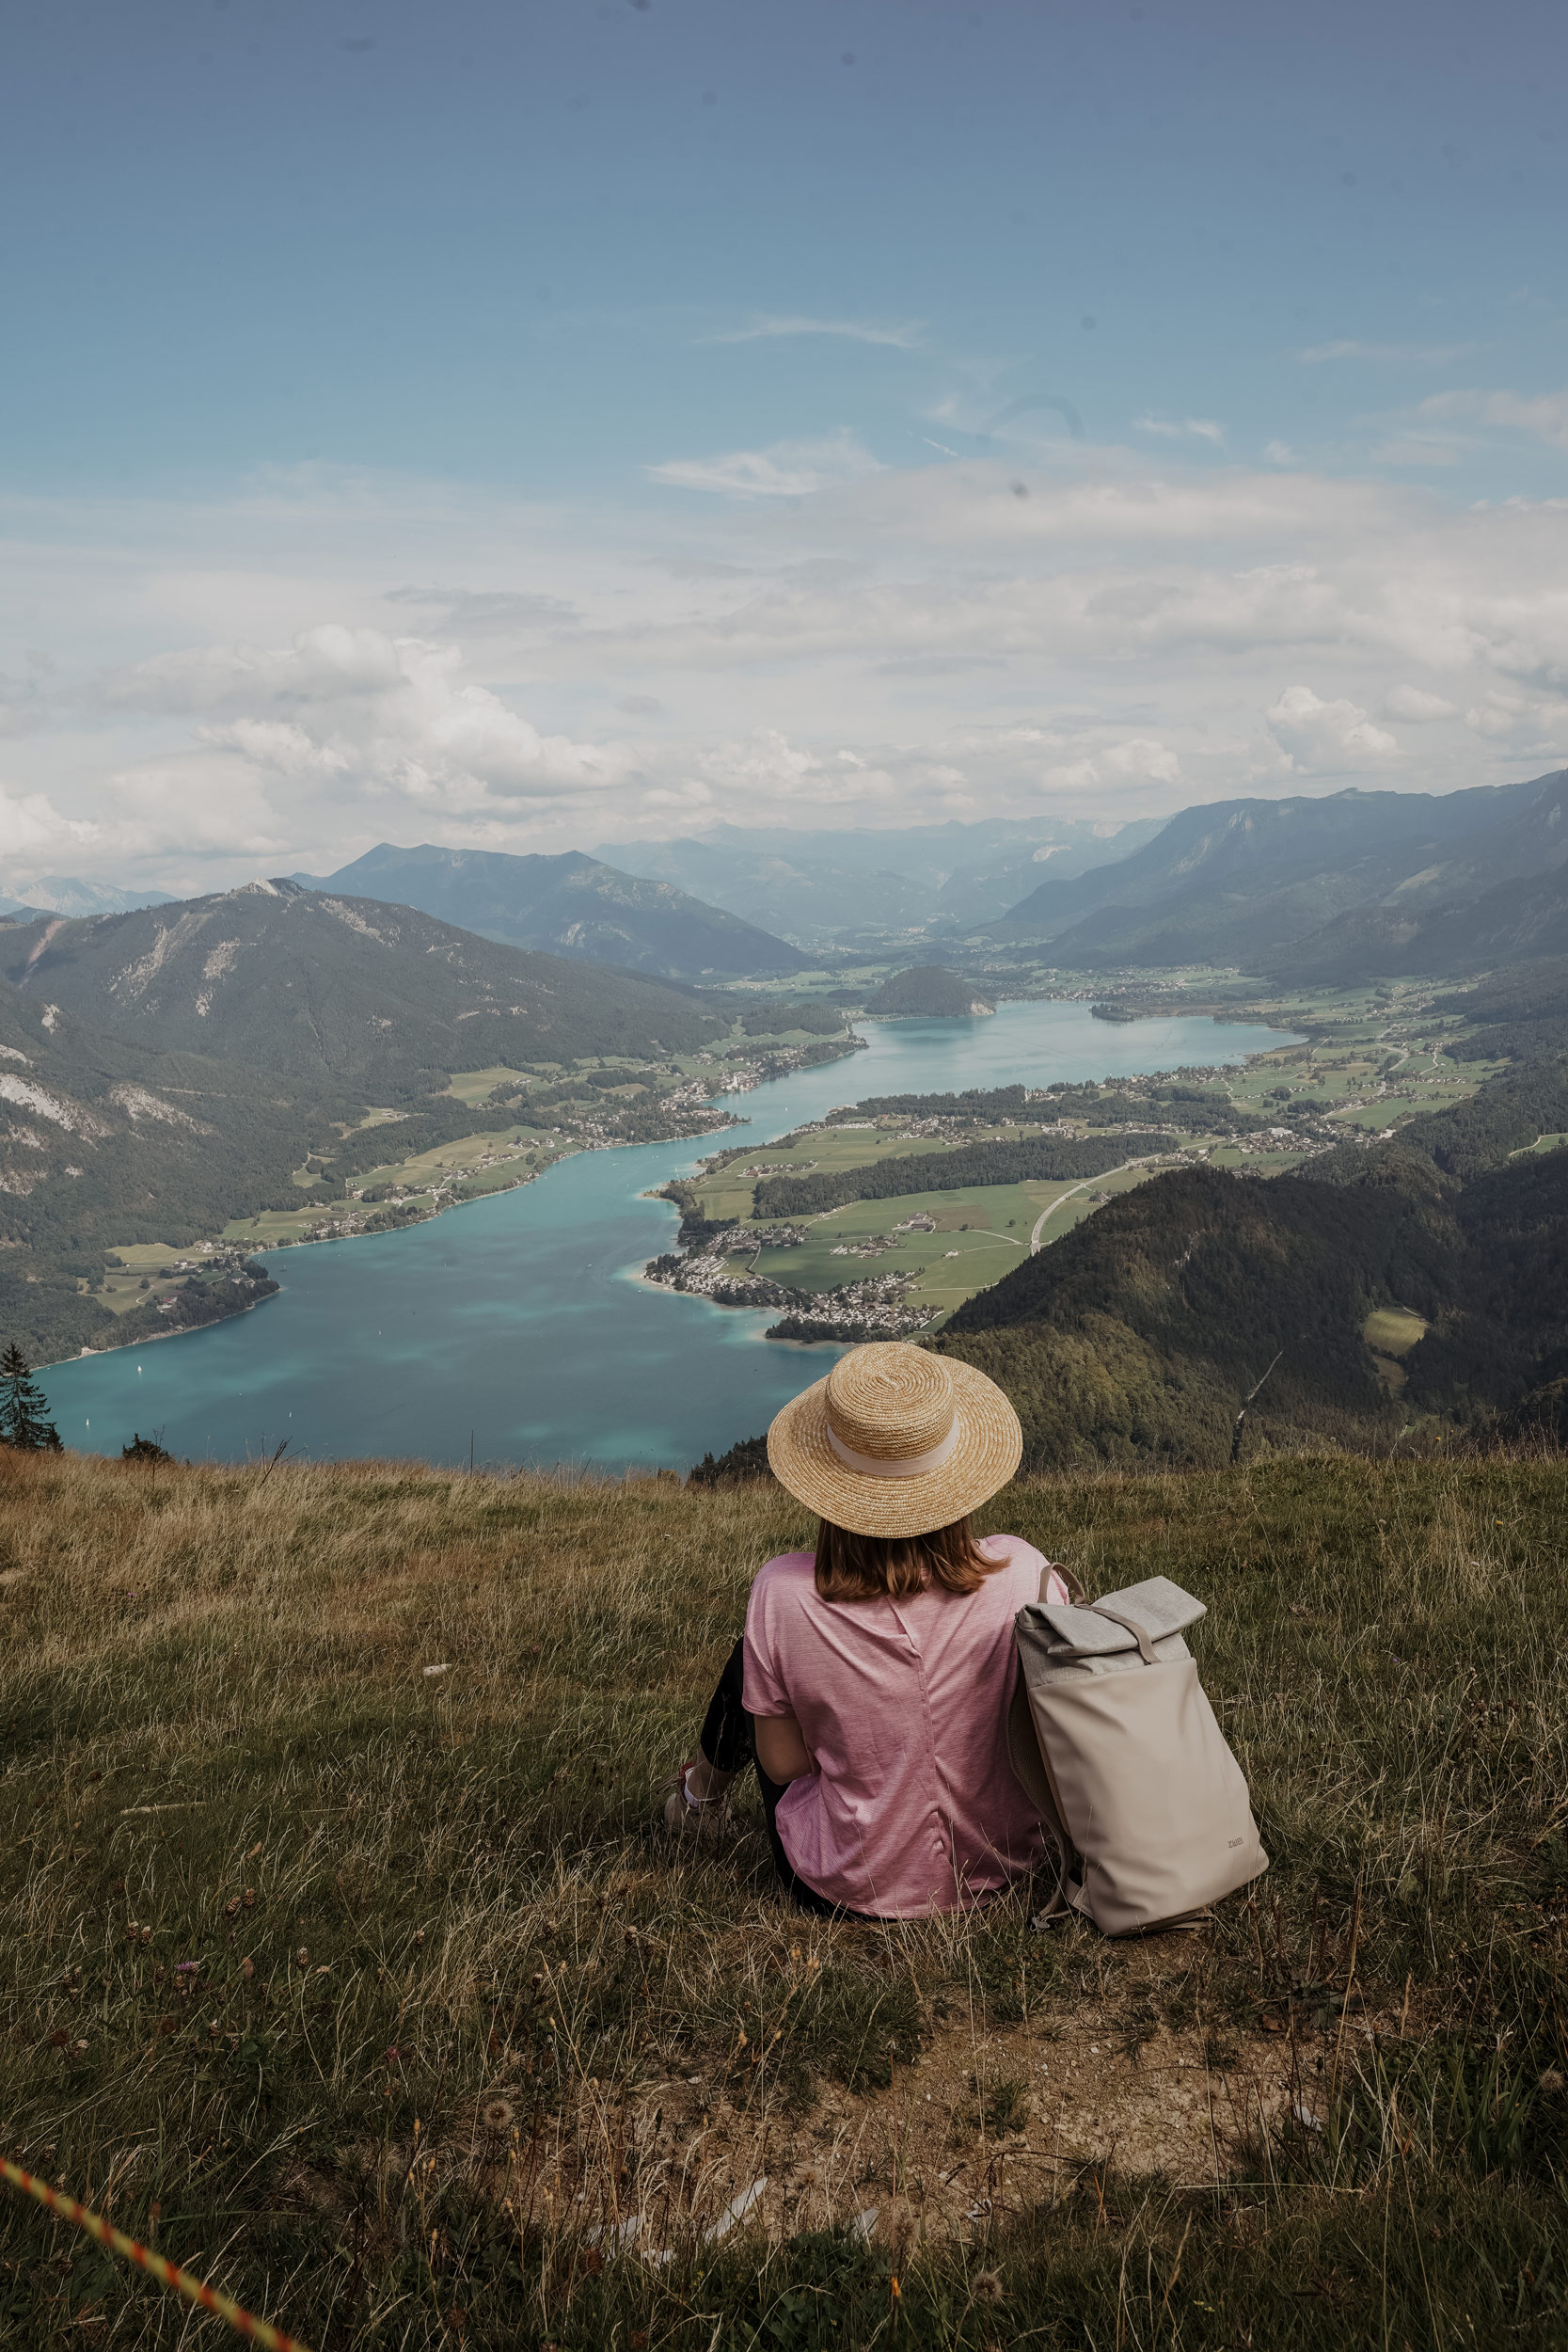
x: 802, y: 627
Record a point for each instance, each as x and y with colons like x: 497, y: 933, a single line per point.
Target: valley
x: 915, y: 1207
x: 520, y: 1324
x: 929, y: 1149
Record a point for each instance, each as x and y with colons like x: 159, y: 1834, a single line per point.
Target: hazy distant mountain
x: 313, y: 984
x: 572, y: 905
x: 62, y: 894
x: 818, y: 886
x: 1253, y: 881
x: 1503, y: 898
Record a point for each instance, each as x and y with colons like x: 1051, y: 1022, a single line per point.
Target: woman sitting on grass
x: 871, y: 1689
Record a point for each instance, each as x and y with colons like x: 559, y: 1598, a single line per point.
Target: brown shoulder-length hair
x: 867, y: 1567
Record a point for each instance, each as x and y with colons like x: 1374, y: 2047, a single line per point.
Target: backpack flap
x: 1081, y: 1635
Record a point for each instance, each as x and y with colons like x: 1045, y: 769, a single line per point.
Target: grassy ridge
x: 415, y: 2002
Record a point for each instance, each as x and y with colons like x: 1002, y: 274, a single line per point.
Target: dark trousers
x: 729, y: 1743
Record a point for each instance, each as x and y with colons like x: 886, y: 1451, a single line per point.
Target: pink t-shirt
x: 903, y: 1704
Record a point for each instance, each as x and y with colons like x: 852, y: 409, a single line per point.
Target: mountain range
x: 346, y: 991
x: 1347, y: 886
x: 571, y: 904
x: 1350, y: 885
x: 822, y: 888
x: 64, y: 894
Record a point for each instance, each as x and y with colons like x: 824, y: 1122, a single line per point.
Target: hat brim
x: 988, y: 1451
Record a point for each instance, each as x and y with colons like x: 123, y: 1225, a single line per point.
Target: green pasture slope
x: 372, y: 1992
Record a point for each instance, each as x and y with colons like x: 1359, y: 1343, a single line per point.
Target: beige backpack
x: 1111, y: 1737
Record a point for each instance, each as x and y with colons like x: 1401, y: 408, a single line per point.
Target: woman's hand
x: 781, y: 1751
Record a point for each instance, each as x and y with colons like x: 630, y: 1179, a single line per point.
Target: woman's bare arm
x: 781, y: 1751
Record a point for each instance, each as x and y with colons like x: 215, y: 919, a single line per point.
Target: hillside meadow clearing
x: 340, y: 1958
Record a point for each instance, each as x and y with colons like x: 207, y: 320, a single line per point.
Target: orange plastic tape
x: 206, y: 2299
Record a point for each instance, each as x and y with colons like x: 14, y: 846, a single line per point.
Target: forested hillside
x: 103, y: 1143
x: 343, y: 991
x: 1139, y: 1333
x: 164, y: 1072
x: 1323, y: 890
x: 927, y: 990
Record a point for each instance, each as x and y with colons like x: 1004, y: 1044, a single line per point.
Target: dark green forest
x: 1138, y: 1335
x: 775, y: 1016
x: 929, y: 991
x: 1048, y: 1159
x: 1520, y: 1015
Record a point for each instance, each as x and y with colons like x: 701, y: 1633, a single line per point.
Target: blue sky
x: 527, y: 424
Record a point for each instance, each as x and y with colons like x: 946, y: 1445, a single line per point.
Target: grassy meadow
x: 339, y: 1954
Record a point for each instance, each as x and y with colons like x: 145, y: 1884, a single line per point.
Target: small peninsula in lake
x: 927, y: 990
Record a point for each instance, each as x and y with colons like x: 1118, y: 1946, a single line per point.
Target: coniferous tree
x: 23, y: 1406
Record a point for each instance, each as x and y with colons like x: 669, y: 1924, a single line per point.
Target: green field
x: 729, y: 1191
x: 981, y: 1233
x: 460, y: 1170
x: 162, y: 1267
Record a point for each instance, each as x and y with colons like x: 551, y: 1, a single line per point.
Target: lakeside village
x: 718, y: 1259
x: 876, y: 1307
x: 649, y: 1110
x: 160, y: 1292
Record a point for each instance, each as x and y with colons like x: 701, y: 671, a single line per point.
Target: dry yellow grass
x: 274, y: 1893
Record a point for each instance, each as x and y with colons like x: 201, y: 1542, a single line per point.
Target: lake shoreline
x: 517, y: 1325
x: 368, y: 1232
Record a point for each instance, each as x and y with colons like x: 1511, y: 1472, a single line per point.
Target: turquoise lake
x: 517, y: 1324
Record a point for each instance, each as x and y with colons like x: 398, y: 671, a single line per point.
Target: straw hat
x: 896, y: 1442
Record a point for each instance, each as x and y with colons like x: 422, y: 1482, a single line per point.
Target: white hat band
x: 908, y: 1465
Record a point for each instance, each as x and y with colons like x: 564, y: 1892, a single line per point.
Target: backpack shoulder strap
x: 1054, y: 1568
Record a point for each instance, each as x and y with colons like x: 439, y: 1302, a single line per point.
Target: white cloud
x: 394, y: 712
x: 769, y: 769
x: 1107, y: 769
x: 1313, y: 734
x: 1147, y: 761
x: 1194, y: 428
x: 487, y: 612
x: 29, y: 821
x: 1414, y: 704
x: 905, y: 336
x: 329, y: 663
x: 1544, y: 415
x: 385, y: 734
x: 787, y: 470
x: 274, y: 743
x: 1387, y: 355
x: 1280, y: 454
x: 1107, y: 643
x: 1496, y: 716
